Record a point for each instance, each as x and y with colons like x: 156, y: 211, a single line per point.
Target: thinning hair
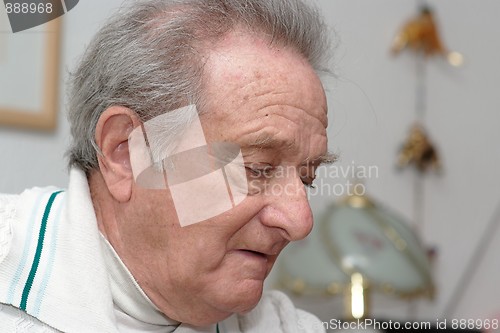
x: 148, y: 57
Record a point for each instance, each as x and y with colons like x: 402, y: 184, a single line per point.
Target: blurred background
x: 375, y: 97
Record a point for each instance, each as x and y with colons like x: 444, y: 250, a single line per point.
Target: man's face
x: 271, y: 103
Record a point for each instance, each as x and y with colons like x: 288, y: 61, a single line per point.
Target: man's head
x: 250, y: 67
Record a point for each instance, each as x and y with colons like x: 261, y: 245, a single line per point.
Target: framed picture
x: 29, y: 75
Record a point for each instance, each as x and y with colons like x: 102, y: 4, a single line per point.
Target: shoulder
x: 305, y: 322
x: 8, y: 205
x: 276, y: 313
x: 15, y: 210
x: 14, y: 320
x: 309, y: 323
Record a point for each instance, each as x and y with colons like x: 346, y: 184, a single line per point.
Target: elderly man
x: 161, y: 229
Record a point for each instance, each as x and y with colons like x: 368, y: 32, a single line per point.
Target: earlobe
x: 112, y: 132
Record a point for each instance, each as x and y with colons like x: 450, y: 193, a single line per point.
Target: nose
x: 288, y: 209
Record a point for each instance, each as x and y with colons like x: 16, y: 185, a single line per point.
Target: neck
x: 106, y: 208
x: 128, y: 296
x: 111, y: 217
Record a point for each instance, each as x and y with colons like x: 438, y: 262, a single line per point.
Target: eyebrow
x: 266, y: 141
x: 328, y: 158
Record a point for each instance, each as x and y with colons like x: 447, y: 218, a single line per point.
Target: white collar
x: 133, y: 308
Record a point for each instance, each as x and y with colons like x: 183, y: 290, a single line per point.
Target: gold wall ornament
x: 420, y: 34
x: 419, y: 151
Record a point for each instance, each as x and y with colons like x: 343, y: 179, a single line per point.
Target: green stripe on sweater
x: 38, y: 253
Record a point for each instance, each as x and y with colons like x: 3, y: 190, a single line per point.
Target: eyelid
x: 308, y: 181
x: 259, y: 170
x: 259, y: 166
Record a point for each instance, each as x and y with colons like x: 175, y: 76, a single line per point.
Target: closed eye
x: 308, y: 182
x: 264, y: 171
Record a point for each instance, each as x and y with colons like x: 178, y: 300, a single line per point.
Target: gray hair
x: 148, y: 57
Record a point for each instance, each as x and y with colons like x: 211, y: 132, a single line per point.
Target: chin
x: 243, y: 298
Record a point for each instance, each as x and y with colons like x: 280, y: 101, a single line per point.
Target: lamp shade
x: 355, y: 235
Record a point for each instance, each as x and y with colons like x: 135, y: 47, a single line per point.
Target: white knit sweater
x: 56, y: 275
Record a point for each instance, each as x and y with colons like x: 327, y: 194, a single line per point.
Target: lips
x: 256, y: 253
x: 264, y: 252
x: 267, y: 252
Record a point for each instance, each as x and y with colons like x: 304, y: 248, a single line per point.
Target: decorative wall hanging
x: 420, y: 35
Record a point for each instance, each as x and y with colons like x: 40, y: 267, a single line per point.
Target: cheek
x: 199, y: 248
x: 216, y: 237
x: 149, y: 225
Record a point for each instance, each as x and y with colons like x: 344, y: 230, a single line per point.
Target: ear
x: 111, y: 135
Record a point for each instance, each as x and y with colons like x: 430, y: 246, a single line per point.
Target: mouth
x: 255, y: 255
x: 256, y: 261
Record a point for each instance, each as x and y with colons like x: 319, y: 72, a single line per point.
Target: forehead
x: 241, y: 65
x: 253, y: 89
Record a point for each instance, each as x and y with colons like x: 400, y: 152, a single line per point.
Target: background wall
x: 30, y: 158
x: 371, y: 109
